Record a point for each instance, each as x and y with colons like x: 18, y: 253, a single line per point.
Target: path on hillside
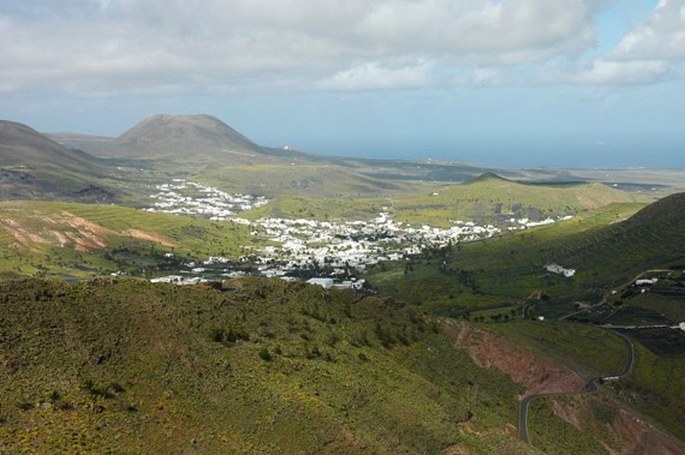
x: 609, y: 294
x: 590, y: 387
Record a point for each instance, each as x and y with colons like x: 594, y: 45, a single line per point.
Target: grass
x: 609, y: 248
x: 491, y: 199
x: 125, y: 365
x: 322, y: 209
x: 326, y: 192
x: 657, y: 390
x: 500, y: 270
x: 594, y: 350
x: 312, y: 180
x: 553, y: 435
x: 115, y: 238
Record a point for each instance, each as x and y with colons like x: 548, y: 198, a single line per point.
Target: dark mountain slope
x: 33, y: 166
x: 21, y: 145
x: 166, y: 134
x: 196, y: 142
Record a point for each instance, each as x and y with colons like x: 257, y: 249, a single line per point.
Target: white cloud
x: 375, y: 75
x: 648, y: 54
x: 661, y: 37
x: 635, y: 72
x: 137, y: 45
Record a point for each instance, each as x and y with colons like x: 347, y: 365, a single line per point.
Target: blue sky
x: 570, y: 83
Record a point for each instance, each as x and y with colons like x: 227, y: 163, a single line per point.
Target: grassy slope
x: 657, y: 389
x: 128, y: 366
x: 304, y: 180
x: 606, y: 255
x: 326, y: 192
x: 498, y: 270
x: 196, y: 238
x: 483, y: 198
x: 593, y: 350
x: 604, y: 252
x: 317, y: 208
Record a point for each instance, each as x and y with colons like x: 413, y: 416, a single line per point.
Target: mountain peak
x: 165, y: 135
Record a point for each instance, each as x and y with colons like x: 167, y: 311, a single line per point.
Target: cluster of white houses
x: 190, y: 198
x: 339, y: 248
x: 306, y: 248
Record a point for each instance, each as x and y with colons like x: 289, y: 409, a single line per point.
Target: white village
x: 325, y: 252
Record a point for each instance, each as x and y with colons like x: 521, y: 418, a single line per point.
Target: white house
x: 326, y: 283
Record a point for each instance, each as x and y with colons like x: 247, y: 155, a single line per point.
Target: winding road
x: 590, y: 387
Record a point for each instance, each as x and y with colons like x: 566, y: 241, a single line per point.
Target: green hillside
x: 502, y: 281
x: 490, y: 198
x: 332, y: 192
x: 607, y: 247
x: 82, y: 240
x: 308, y: 180
x: 126, y: 366
x: 497, y: 271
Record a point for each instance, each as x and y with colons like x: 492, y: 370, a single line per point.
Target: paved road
x: 590, y: 387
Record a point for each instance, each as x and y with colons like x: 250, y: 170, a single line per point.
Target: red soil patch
x: 66, y: 229
x: 150, y: 237
x: 628, y: 434
x: 537, y: 375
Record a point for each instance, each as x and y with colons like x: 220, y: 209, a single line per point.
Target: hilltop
x: 166, y: 135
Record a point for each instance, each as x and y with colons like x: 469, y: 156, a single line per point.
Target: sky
x: 515, y: 83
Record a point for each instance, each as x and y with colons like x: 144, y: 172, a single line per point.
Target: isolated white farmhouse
x: 559, y: 270
x: 326, y: 283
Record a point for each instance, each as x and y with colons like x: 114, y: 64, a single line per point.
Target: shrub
x: 265, y: 355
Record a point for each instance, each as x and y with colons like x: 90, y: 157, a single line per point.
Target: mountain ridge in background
x: 21, y: 145
x: 34, y: 166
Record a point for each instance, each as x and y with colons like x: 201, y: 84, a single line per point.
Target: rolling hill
x: 502, y: 281
x: 490, y: 198
x: 265, y: 366
x: 652, y: 238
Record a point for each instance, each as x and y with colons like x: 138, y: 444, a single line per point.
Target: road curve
x: 590, y: 387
